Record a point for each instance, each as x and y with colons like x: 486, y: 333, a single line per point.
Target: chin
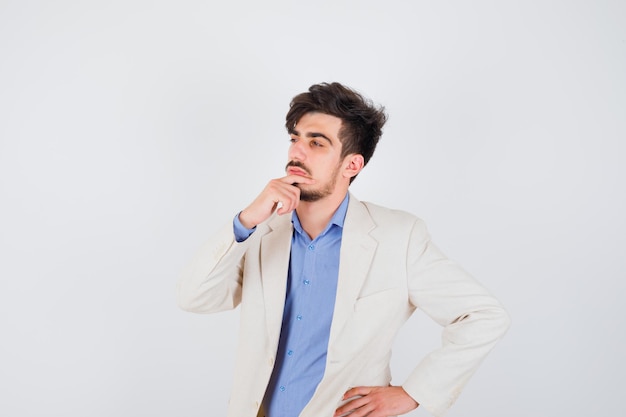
x: 311, y: 196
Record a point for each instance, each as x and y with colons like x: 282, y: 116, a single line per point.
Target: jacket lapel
x: 275, y: 252
x: 357, y: 252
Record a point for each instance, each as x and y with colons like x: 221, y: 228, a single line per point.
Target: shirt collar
x: 338, y: 217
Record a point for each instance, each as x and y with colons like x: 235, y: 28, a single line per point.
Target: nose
x: 297, y: 151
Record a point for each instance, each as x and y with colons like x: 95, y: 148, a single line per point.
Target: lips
x: 297, y: 168
x: 296, y: 171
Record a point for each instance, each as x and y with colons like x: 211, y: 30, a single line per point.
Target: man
x: 325, y: 281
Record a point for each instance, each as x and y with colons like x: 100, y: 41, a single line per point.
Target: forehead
x: 319, y: 123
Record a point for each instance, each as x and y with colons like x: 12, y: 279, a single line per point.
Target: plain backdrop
x: 130, y: 130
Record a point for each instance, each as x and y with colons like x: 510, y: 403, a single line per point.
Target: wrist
x: 245, y: 222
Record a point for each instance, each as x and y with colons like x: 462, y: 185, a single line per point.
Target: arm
x: 473, y: 322
x: 212, y: 281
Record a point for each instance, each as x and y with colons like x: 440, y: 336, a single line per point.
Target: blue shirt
x: 307, y: 316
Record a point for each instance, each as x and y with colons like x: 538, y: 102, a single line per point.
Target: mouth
x: 296, y: 171
x: 296, y: 168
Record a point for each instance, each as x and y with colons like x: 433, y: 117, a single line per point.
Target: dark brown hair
x: 362, y: 122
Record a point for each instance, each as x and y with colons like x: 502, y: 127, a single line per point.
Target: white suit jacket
x: 388, y: 268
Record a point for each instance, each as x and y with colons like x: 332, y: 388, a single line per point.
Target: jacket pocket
x: 388, y: 297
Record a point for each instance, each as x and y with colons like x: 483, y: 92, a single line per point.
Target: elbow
x: 192, y: 304
x: 486, y: 326
x: 204, y: 302
x: 183, y: 301
x: 500, y: 322
x: 187, y: 300
x: 506, y: 321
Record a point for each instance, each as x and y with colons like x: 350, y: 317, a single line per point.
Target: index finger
x: 297, y: 179
x: 357, y: 391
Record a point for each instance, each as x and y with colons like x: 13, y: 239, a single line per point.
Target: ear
x: 353, y: 164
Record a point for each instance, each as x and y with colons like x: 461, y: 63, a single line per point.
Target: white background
x: 130, y: 130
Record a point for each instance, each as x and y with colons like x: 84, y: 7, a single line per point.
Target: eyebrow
x: 312, y: 135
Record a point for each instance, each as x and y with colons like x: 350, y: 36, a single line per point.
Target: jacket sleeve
x: 473, y: 321
x: 212, y: 281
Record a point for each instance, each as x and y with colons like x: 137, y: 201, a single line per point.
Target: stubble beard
x: 310, y: 196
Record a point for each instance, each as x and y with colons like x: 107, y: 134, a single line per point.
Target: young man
x: 325, y: 281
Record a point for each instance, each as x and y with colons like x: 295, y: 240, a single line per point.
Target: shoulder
x: 386, y: 220
x: 385, y: 215
x: 392, y: 228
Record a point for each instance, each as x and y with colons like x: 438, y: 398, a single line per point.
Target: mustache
x: 297, y: 164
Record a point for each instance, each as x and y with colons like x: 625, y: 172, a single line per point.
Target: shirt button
x: 270, y: 361
x: 307, y: 282
x: 311, y: 247
x: 290, y: 352
x: 299, y: 317
x: 282, y: 389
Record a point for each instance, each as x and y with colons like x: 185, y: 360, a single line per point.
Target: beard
x: 322, y: 191
x: 314, y: 195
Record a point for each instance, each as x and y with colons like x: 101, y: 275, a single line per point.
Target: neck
x: 315, y: 215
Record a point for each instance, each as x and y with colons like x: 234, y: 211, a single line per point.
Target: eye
x: 293, y: 140
x: 316, y: 143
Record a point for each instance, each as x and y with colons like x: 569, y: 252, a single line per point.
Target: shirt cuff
x: 241, y: 232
